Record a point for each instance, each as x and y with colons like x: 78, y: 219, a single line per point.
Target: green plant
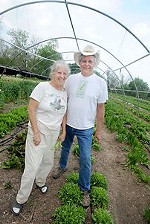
x: 15, y: 89
x: 136, y: 156
x: 96, y: 146
x: 8, y: 185
x: 99, y: 197
x: 73, y: 178
x: 147, y: 215
x: 121, y: 137
x: 142, y: 176
x: 57, y: 145
x: 76, y: 150
x: 93, y: 160
x: 102, y: 216
x: 11, y: 119
x: 2, y: 99
x: 69, y: 214
x: 16, y: 152
x: 70, y: 194
x: 125, y: 148
x: 124, y: 120
x: 98, y: 180
x: 13, y: 162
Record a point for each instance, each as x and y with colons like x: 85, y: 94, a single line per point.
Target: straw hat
x: 87, y: 51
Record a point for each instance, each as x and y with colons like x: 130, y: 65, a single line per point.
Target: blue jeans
x: 84, y: 138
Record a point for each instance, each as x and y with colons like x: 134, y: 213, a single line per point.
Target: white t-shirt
x: 52, y: 105
x: 84, y: 93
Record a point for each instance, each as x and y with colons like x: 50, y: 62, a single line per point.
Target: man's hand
x: 62, y: 137
x: 97, y: 136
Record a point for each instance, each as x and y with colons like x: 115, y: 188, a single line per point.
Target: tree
x: 50, y: 54
x: 112, y: 80
x: 139, y: 85
x: 25, y: 53
x: 19, y: 41
x: 4, y: 53
x: 74, y: 68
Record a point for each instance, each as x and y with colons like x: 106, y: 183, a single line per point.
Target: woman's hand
x: 36, y: 138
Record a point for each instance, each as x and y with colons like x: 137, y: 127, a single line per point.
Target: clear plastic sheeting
x: 115, y: 28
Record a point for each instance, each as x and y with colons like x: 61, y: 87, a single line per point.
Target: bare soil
x: 128, y: 197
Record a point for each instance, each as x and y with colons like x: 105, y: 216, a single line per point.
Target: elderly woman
x: 47, y: 117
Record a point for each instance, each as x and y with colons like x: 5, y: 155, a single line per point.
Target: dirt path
x: 128, y: 197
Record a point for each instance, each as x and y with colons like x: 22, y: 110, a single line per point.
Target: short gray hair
x: 59, y: 64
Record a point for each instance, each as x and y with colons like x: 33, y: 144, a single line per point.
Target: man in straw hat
x: 87, y: 94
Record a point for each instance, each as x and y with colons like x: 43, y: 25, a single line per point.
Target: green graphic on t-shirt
x: 81, y: 88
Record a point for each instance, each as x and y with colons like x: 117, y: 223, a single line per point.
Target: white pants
x: 38, y: 163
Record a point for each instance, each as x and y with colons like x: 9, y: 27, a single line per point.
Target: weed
x: 8, y: 185
x: 76, y: 150
x: 147, y: 215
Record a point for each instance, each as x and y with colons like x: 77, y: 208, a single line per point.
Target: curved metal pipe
x: 71, y: 3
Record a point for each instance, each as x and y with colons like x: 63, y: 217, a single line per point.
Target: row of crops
x: 15, y: 90
x: 13, y: 93
x: 133, y: 129
x: 128, y: 117
x: 71, y: 200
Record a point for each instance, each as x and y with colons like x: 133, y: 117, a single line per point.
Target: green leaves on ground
x: 69, y: 214
x: 70, y: 194
x: 102, y: 216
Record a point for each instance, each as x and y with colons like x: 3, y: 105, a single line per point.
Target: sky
x: 110, y: 26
